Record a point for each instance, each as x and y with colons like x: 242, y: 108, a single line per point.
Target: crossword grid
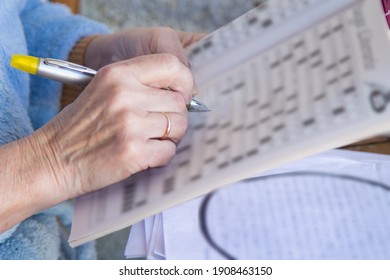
x: 286, y: 80
x: 298, y: 88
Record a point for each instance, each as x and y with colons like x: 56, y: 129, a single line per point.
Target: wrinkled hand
x: 106, y: 49
x: 111, y: 131
x: 114, y: 128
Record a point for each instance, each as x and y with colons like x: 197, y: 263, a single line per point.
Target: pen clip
x: 68, y: 65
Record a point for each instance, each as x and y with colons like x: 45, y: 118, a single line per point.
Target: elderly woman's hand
x: 115, y: 128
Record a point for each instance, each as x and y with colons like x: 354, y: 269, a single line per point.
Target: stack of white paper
x: 338, y: 209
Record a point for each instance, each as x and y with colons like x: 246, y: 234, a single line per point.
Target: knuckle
x: 115, y: 98
x: 169, y: 61
x: 107, y: 73
x: 167, y: 156
x: 147, y: 162
x: 134, y: 156
x: 117, y: 91
x: 182, y: 123
x: 123, y: 118
x: 178, y: 101
x: 129, y: 151
x: 123, y: 129
x: 165, y: 32
x: 181, y: 127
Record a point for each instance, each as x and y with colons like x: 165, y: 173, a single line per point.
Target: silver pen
x: 70, y: 73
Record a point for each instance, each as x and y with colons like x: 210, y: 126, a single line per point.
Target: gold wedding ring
x: 168, y: 128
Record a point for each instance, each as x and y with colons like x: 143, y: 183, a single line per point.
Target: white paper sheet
x: 136, y: 244
x: 303, y: 217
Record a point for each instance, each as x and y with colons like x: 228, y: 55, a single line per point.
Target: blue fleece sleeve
x: 51, y: 30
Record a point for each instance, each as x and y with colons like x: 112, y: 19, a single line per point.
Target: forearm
x: 28, y: 182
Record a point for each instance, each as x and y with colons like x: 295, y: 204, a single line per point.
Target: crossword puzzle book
x: 288, y: 79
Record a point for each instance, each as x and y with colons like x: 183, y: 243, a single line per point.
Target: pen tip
x: 197, y: 106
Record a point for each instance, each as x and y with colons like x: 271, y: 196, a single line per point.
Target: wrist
x: 28, y: 182
x: 51, y: 172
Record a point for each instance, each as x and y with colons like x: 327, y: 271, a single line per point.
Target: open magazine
x: 284, y: 81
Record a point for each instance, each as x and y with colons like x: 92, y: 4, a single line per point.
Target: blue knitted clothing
x: 40, y: 29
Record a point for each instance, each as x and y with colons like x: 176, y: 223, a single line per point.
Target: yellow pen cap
x: 25, y: 63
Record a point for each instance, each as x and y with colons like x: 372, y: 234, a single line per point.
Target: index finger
x: 188, y: 38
